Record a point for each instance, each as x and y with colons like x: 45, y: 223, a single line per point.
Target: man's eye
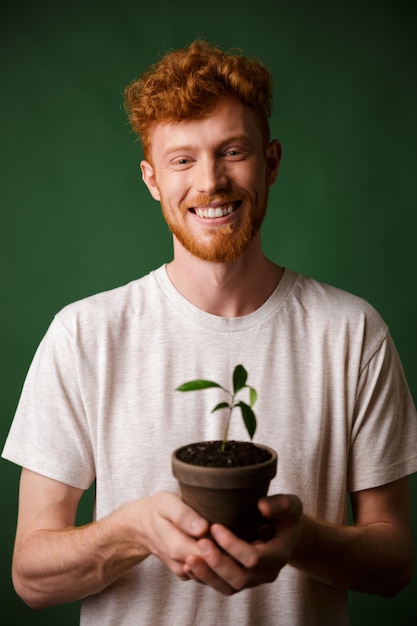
x: 181, y: 162
x: 236, y: 153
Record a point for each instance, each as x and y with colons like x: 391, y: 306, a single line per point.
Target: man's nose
x: 211, y: 175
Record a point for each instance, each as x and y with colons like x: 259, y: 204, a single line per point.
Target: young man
x: 99, y: 402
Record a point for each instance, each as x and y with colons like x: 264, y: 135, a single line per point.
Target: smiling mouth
x: 214, y: 212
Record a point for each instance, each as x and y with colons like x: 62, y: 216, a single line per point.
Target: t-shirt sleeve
x: 50, y: 433
x: 383, y: 445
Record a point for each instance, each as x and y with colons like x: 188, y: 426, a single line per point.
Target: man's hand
x: 169, y: 529
x: 55, y: 562
x: 229, y: 564
x: 375, y: 555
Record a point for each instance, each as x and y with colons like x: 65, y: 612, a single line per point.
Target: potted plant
x: 224, y: 480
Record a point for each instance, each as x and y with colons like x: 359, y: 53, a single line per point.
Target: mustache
x: 214, y: 199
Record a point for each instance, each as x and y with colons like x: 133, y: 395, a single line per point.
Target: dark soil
x: 235, y: 454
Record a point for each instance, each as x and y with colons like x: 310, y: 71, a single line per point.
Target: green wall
x: 76, y: 218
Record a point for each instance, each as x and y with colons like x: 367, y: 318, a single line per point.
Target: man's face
x: 212, y: 178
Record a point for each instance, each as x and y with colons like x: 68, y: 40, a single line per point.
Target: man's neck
x: 230, y: 289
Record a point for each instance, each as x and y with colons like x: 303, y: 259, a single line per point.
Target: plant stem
x: 226, y: 430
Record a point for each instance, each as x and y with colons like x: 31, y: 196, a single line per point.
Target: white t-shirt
x: 99, y: 403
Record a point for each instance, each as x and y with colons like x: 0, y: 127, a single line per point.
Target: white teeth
x: 218, y: 212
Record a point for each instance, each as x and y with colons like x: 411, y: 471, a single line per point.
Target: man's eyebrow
x: 235, y: 138
x: 180, y: 148
x: 222, y: 141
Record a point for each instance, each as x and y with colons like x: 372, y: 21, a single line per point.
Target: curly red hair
x: 189, y: 82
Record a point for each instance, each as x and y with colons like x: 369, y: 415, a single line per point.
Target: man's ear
x: 148, y: 177
x: 273, y: 159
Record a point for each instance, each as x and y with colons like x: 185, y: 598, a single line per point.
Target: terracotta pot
x: 227, y: 495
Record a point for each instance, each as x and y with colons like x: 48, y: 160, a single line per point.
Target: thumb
x: 191, y: 522
x: 281, y: 508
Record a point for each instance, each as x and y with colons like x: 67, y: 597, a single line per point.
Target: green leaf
x: 240, y: 376
x: 248, y: 417
x: 195, y: 385
x: 221, y: 405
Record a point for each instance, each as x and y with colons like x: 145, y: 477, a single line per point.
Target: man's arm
x: 373, y: 556
x: 55, y: 562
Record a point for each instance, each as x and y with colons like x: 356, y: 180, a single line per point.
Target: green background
x: 76, y: 218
